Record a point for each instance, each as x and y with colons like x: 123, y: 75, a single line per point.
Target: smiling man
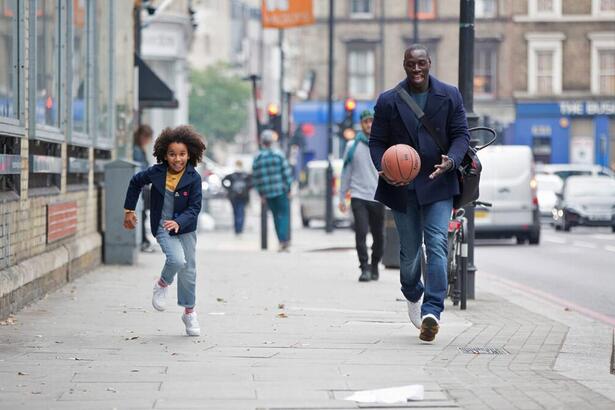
x: 422, y: 208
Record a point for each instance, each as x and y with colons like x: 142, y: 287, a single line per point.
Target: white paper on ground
x: 389, y: 395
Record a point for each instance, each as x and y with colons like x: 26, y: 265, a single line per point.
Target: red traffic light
x: 273, y: 109
x: 350, y: 104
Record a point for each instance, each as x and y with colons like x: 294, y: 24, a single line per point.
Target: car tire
x: 557, y: 226
x: 566, y: 226
x: 534, y: 238
x: 521, y: 240
x: 613, y: 228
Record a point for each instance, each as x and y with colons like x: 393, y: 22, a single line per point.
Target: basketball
x: 401, y: 163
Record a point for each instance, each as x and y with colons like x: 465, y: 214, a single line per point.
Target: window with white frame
x: 485, y: 68
x: 542, y: 8
x: 602, y: 63
x: 361, y: 73
x: 603, y: 7
x: 361, y: 8
x: 544, y: 63
x: 485, y: 9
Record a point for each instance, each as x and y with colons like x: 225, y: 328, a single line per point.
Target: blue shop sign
x: 567, y: 108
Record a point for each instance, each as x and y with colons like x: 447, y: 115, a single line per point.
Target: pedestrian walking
x: 360, y: 177
x: 272, y: 178
x: 175, y: 203
x: 238, y: 186
x: 422, y: 208
x: 142, y: 138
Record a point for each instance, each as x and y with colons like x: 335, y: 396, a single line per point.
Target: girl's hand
x: 130, y: 220
x: 171, y: 226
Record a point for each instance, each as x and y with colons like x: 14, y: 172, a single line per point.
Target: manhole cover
x: 483, y: 350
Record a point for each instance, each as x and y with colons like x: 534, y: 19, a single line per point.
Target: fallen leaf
x: 282, y: 315
x: 132, y: 338
x: 221, y: 300
x: 134, y: 371
x: 280, y: 305
x: 37, y: 392
x: 22, y: 374
x: 567, y: 309
x: 8, y: 321
x: 111, y: 389
x: 173, y: 354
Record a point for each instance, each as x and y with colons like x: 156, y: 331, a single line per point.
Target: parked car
x: 588, y: 201
x: 507, y: 182
x: 313, y: 189
x: 547, y: 188
x: 568, y: 170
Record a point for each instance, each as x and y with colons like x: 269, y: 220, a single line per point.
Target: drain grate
x: 483, y: 350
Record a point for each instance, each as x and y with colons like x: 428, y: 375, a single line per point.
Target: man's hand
x: 171, y: 226
x: 130, y: 220
x: 342, y: 206
x: 442, y: 167
x: 388, y: 181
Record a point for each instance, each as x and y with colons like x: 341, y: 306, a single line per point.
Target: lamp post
x: 329, y: 196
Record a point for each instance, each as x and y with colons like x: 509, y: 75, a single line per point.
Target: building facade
x: 565, y: 80
x: 66, y: 102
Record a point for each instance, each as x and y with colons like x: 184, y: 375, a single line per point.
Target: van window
x: 569, y: 173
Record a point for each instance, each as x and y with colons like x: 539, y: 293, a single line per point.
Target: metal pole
x: 329, y: 196
x: 382, y: 43
x: 466, y: 77
x: 415, y: 23
x: 282, y: 104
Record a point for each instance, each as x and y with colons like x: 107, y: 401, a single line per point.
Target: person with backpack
x: 238, y: 185
x: 360, y: 177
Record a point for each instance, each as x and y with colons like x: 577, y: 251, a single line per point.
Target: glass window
x: 361, y: 8
x: 426, y: 9
x: 361, y: 74
x: 485, y: 8
x: 47, y: 62
x: 607, y: 5
x: 79, y: 66
x: 102, y: 83
x: 544, y: 6
x: 8, y: 57
x: 544, y: 71
x: 606, y: 75
x: 484, y: 69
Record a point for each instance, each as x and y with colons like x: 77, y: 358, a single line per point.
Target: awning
x: 153, y: 92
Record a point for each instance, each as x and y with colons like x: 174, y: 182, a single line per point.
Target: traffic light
x: 346, y: 127
x: 275, y: 119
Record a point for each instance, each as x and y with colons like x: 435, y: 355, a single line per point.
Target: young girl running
x: 175, y: 206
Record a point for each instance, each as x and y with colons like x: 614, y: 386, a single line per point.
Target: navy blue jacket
x: 188, y: 196
x: 394, y: 123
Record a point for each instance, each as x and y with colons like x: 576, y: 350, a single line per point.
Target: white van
x: 313, y: 189
x: 507, y: 182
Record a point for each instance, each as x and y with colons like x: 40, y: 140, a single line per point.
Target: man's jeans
x: 239, y: 213
x: 430, y: 221
x: 280, y: 209
x: 180, y: 253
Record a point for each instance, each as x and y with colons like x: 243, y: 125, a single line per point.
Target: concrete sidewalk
x: 293, y: 331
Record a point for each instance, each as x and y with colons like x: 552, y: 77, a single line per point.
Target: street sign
x: 286, y: 13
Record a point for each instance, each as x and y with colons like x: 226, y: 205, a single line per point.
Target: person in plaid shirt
x: 271, y: 176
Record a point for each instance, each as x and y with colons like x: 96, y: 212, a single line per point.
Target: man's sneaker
x: 414, y: 313
x: 192, y: 324
x: 429, y: 328
x: 366, y: 275
x: 159, y: 297
x: 375, y: 272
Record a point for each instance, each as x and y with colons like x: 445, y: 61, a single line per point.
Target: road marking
x: 555, y: 240
x: 604, y: 237
x: 582, y: 244
x: 610, y: 248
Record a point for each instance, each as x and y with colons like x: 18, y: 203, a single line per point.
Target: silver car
x: 588, y: 201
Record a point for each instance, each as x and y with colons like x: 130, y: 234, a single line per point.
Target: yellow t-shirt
x: 173, y: 179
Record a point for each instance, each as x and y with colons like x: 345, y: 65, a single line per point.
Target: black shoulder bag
x: 468, y: 172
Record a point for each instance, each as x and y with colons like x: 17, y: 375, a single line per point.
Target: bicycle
x: 457, y: 256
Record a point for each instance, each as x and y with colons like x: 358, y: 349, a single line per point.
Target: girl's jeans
x: 180, y: 252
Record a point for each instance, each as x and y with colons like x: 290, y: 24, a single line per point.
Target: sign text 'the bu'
x: 587, y: 108
x: 286, y: 13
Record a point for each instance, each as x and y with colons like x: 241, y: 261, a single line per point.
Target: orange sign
x: 286, y: 13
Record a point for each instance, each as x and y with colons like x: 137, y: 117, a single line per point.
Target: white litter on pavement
x: 389, y: 395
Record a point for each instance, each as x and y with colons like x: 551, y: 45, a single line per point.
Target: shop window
x: 102, y: 76
x: 361, y: 73
x: 361, y: 8
x: 79, y: 67
x: 8, y: 55
x: 101, y: 158
x: 77, y: 167
x: 426, y: 9
x: 47, y: 67
x: 10, y: 167
x: 45, y: 167
x: 485, y: 69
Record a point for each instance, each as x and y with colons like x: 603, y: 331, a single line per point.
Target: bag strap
x: 421, y: 116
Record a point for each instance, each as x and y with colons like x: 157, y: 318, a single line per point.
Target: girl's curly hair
x: 184, y: 134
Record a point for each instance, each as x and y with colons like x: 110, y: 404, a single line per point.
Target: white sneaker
x: 159, y: 297
x: 414, y: 313
x: 192, y: 324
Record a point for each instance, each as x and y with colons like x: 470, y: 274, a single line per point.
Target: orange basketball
x: 401, y: 163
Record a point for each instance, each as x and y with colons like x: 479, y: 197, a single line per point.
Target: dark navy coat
x: 394, y: 123
x: 188, y: 196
